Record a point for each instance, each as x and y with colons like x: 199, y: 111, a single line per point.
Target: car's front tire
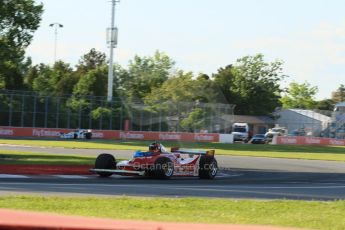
x: 163, y: 168
x: 105, y: 161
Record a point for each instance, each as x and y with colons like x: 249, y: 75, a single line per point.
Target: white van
x: 240, y: 132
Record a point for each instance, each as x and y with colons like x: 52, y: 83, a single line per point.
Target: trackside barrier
x: 307, y: 141
x: 111, y: 134
x: 226, y: 138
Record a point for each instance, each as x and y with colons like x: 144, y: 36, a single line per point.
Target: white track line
x: 10, y: 176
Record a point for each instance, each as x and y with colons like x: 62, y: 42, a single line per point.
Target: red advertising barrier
x: 110, y: 134
x: 165, y: 136
x: 309, y: 141
x: 43, y: 132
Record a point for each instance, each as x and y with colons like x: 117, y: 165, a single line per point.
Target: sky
x: 205, y: 35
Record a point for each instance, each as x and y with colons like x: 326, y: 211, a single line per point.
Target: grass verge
x: 301, y: 214
x: 8, y: 157
x: 331, y: 153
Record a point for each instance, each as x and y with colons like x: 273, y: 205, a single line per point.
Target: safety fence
x: 29, y: 109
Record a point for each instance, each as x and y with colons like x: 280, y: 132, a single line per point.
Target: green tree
x: 327, y: 104
x: 179, y: 88
x: 224, y: 80
x: 301, y: 96
x: 91, y: 60
x: 30, y: 75
x: 183, y: 87
x: 339, y: 94
x: 100, y: 112
x: 167, y: 99
x: 252, y: 84
x: 63, y: 79
x: 42, y: 82
x: 206, y: 90
x: 53, y: 81
x: 18, y: 21
x: 145, y: 74
x: 195, y: 121
x: 182, y: 97
x: 94, y: 83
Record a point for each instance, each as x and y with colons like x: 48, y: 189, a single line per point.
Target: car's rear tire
x: 105, y: 161
x: 208, y: 167
x: 88, y: 136
x: 163, y: 168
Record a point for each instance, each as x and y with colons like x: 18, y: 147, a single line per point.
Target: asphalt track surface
x: 241, y: 177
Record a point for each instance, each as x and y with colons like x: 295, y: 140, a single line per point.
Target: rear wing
x: 193, y: 151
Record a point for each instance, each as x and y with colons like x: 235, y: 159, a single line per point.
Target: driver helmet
x: 154, y: 147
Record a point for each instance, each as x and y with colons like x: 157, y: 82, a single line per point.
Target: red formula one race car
x: 157, y: 162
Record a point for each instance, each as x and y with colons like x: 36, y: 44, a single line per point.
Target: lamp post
x: 112, y: 34
x: 55, y: 25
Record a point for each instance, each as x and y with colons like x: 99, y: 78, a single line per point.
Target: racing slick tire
x: 163, y: 168
x: 105, y: 161
x: 88, y: 136
x: 208, y: 167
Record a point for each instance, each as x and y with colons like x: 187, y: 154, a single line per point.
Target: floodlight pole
x: 56, y: 26
x: 112, y: 44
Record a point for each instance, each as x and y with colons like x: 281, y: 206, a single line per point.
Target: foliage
x: 326, y: 104
x: 179, y: 88
x: 300, y: 96
x: 152, y: 80
x: 180, y: 95
x: 100, y: 112
x: 58, y: 80
x: 18, y: 21
x: 251, y: 84
x: 91, y: 60
x: 195, y: 120
x: 93, y: 83
x: 183, y: 87
x: 224, y: 81
x: 145, y: 75
x: 41, y: 82
x: 339, y: 94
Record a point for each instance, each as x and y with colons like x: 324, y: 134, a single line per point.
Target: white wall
x: 226, y: 138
